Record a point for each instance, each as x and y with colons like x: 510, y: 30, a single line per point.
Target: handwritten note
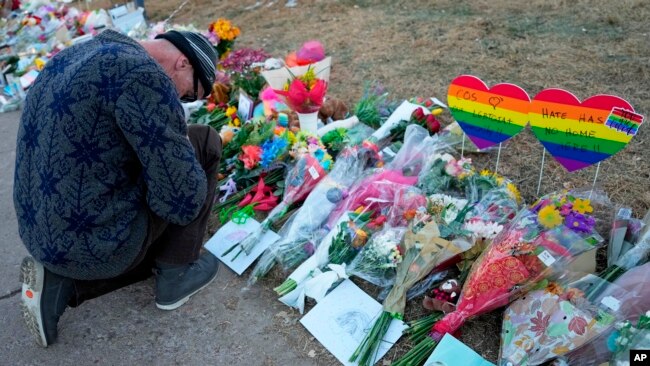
x: 577, y: 133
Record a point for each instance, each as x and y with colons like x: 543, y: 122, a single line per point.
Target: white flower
x: 482, y: 229
x: 451, y: 205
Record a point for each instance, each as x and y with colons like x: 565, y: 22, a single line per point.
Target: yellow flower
x: 231, y: 111
x: 512, y: 188
x: 549, y: 217
x: 582, y: 206
x: 291, y: 137
x: 499, y: 180
x: 225, y: 30
x: 485, y: 173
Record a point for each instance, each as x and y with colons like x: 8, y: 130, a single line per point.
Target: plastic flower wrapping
x: 422, y: 252
x: 387, y: 198
x: 299, y: 235
x: 541, y: 240
x: 560, y: 317
x: 338, y: 247
x: 633, y: 293
x: 311, y: 166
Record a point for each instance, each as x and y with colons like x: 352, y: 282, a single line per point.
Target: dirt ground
x: 416, y: 47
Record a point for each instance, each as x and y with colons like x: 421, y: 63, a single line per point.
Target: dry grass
x: 416, y: 47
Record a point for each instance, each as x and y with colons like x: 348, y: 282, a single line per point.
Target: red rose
x: 432, y: 124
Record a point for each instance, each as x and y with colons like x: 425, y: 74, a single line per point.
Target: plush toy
x: 443, y: 298
x: 333, y: 109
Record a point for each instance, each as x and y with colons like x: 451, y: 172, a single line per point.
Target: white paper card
x: 341, y: 320
x: 232, y: 233
x: 611, y: 302
x: 546, y: 257
x: 313, y: 172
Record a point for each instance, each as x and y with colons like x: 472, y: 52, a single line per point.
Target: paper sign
x: 231, y: 234
x: 488, y: 116
x: 575, y: 133
x: 341, y: 320
x: 451, y: 352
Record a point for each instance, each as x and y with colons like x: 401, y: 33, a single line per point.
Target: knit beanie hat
x: 199, y: 51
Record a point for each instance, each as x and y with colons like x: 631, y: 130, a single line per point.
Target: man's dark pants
x: 165, y: 242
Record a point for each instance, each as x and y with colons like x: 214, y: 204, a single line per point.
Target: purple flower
x: 579, y: 222
x: 566, y: 209
x: 309, y: 248
x: 242, y: 59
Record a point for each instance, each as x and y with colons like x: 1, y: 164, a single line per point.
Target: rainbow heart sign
x: 581, y: 134
x: 488, y: 116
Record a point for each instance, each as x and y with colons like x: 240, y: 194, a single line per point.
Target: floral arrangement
x: 301, y: 179
x: 418, y: 117
x: 533, y: 247
x: 443, y: 173
x: 222, y: 34
x: 552, y: 321
x: 378, y: 260
x: 215, y: 116
x: 305, y: 93
x: 374, y: 107
x: 422, y: 251
x: 244, y: 66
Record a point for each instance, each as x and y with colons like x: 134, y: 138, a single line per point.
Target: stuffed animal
x: 443, y: 298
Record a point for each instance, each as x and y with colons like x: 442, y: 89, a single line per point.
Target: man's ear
x: 182, y: 63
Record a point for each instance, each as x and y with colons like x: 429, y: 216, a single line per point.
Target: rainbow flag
x: 488, y: 116
x: 625, y: 121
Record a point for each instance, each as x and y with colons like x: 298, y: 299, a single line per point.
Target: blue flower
x: 271, y: 149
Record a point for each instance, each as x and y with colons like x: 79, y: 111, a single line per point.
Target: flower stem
x: 369, y: 346
x: 287, y: 286
x: 418, y: 354
x: 418, y: 329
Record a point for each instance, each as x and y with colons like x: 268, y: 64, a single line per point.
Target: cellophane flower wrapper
x: 631, y: 286
x: 536, y: 244
x: 301, y: 179
x: 377, y: 262
x: 298, y: 240
x: 631, y: 337
x: 518, y: 257
x: 556, y: 319
x: 423, y: 250
x: 403, y: 170
x: 315, y: 276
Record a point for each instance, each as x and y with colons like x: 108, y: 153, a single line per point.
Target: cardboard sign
x: 579, y: 134
x: 488, y: 116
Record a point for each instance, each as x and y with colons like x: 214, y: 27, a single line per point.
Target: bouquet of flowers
x: 539, y: 241
x: 305, y: 94
x: 418, y: 117
x: 381, y: 199
x: 222, y: 35
x: 312, y: 164
x: 632, y: 295
x: 374, y: 107
x: 554, y: 320
x: 300, y: 234
x: 423, y: 251
x: 338, y: 247
x: 244, y: 68
x: 443, y: 173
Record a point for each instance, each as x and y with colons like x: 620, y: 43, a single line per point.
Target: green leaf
x: 556, y: 330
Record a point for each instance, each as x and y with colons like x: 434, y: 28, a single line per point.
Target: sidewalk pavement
x: 221, y: 325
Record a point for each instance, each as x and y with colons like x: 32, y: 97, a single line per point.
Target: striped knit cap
x: 199, y: 51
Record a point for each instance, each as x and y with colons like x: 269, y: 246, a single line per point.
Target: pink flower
x: 250, y: 156
x: 303, y: 100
